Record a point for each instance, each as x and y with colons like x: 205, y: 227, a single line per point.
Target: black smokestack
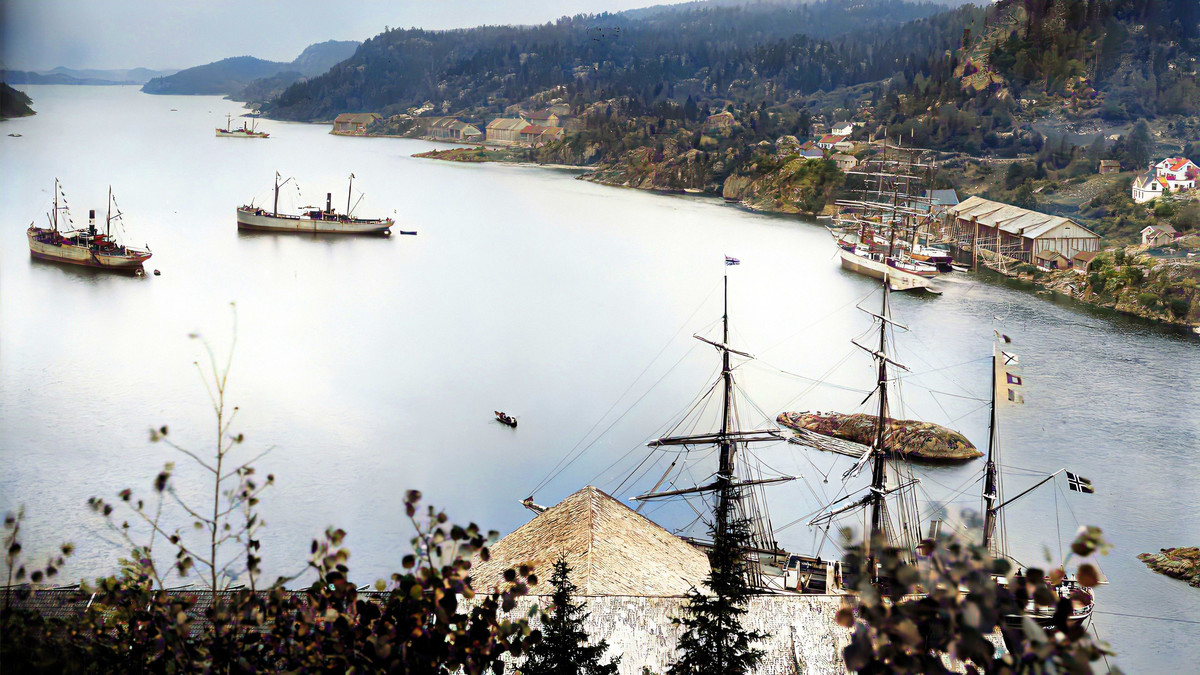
x: 328, y: 201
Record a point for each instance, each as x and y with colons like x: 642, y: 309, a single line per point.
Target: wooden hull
x: 79, y: 255
x: 257, y: 220
x: 898, y: 280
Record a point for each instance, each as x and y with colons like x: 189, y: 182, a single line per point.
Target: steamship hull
x: 42, y: 247
x: 263, y: 221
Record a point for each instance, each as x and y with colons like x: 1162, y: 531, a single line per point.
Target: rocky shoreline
x: 1178, y: 563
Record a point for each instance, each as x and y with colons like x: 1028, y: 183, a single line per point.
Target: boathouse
x: 1014, y: 232
x: 453, y: 129
x: 536, y: 135
x: 354, y: 124
x: 505, y: 130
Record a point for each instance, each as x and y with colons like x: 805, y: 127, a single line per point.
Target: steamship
x: 315, y: 220
x: 88, y: 247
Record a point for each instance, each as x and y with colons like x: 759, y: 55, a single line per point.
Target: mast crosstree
x: 729, y: 439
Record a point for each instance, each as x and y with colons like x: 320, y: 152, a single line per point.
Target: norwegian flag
x: 1079, y: 483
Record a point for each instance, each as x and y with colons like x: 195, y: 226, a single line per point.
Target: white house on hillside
x: 1180, y: 173
x: 843, y: 128
x: 1171, y: 174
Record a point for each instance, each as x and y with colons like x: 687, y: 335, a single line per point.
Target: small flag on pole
x: 1002, y: 337
x: 1079, y: 483
x: 732, y: 261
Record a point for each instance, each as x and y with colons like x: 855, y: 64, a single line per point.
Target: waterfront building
x: 536, y: 135
x: 505, y: 130
x: 453, y: 129
x: 1049, y: 260
x: 354, y: 124
x: 1014, y: 232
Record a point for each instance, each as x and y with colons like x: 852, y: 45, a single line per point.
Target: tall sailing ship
x: 246, y: 131
x: 326, y: 221
x: 878, y: 232
x: 88, y: 246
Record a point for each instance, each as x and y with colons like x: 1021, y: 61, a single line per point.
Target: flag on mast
x: 1010, y: 385
x: 1079, y: 483
x: 732, y: 261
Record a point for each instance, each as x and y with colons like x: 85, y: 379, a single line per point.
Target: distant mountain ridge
x: 234, y: 75
x: 61, y: 75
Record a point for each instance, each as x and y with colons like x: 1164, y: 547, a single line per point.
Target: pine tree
x: 1139, y: 145
x: 714, y: 641
x: 564, y: 648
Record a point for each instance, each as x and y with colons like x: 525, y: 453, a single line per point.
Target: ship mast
x: 108, y: 214
x: 989, y: 485
x: 728, y: 490
x: 349, y: 191
x: 56, y: 205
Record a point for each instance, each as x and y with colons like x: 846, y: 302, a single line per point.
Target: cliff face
x: 648, y: 169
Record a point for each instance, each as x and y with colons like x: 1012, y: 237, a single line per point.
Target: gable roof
x: 356, y: 118
x: 1145, y: 180
x: 942, y: 197
x: 542, y: 115
x: 611, y: 550
x: 1085, y: 256
x: 1014, y: 219
x: 831, y: 139
x: 1110, y: 162
x: 507, y: 124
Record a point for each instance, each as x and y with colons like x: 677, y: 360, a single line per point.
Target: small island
x: 911, y: 439
x: 1180, y: 563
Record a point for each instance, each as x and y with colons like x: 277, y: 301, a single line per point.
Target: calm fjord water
x: 373, y: 365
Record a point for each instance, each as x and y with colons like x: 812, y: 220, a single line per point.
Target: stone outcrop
x: 911, y: 439
x: 1180, y: 563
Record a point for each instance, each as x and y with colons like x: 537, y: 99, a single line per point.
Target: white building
x: 1173, y: 174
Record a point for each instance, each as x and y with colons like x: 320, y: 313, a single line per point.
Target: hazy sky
x: 42, y: 34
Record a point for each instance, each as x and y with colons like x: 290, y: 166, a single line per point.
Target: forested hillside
x: 14, y: 103
x: 709, y: 53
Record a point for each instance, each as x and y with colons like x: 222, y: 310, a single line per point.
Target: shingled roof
x: 611, y: 550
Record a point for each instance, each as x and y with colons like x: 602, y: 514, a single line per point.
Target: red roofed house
x: 828, y: 141
x: 1180, y: 173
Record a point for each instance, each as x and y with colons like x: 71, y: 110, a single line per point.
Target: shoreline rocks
x: 911, y: 439
x: 1181, y: 563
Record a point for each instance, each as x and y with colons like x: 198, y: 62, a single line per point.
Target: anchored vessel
x: 89, y: 247
x: 326, y: 221
x: 877, y: 233
x: 245, y: 132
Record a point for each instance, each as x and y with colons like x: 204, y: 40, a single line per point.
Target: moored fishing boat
x: 314, y: 220
x: 88, y: 247
x: 245, y: 132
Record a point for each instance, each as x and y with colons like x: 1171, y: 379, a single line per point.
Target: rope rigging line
x: 635, y: 381
x: 560, y: 467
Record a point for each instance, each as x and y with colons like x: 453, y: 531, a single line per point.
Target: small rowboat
x: 506, y: 419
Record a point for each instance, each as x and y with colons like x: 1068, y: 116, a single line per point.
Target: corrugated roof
x: 1014, y: 219
x: 611, y: 550
x: 507, y: 124
x: 356, y: 118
